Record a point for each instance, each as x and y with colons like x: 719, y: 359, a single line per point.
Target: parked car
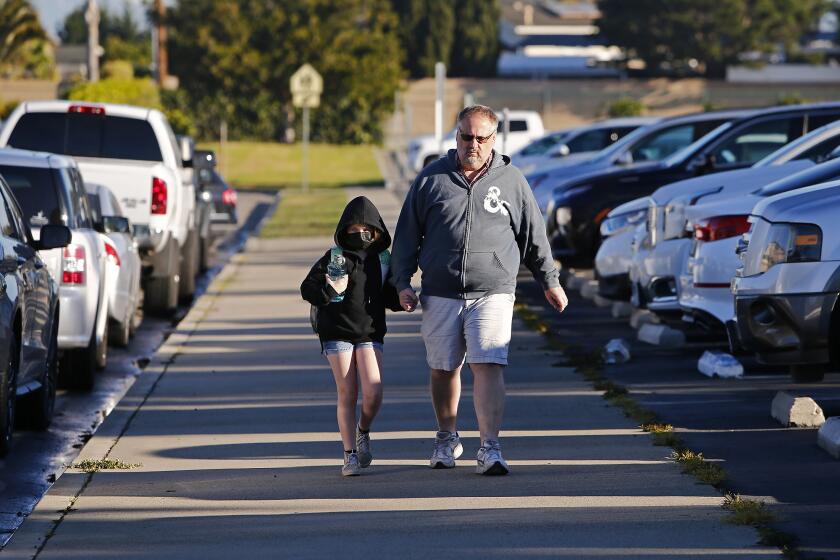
x: 222, y: 195
x: 718, y: 226
x: 133, y: 152
x: 29, y: 319
x: 579, y: 205
x: 203, y: 202
x: 648, y: 143
x: 125, y: 296
x: 525, y: 126
x: 787, y: 291
x: 587, y: 139
x: 619, y: 233
x: 50, y: 191
x: 660, y: 263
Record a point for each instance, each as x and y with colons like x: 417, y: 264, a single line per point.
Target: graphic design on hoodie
x: 493, y: 204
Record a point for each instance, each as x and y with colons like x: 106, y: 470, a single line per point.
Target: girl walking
x: 349, y: 292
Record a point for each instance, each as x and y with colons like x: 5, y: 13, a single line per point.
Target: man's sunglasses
x: 480, y: 139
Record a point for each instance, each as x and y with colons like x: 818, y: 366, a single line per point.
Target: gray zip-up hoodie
x: 470, y: 240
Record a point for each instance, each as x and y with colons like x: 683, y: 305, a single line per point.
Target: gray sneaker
x: 351, y: 465
x: 490, y: 460
x: 363, y: 448
x: 447, y: 448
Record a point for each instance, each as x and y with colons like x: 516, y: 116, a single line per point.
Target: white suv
x: 50, y: 190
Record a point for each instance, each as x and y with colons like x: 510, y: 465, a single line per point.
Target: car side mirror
x: 53, y: 237
x: 187, y: 147
x: 626, y: 158
x: 562, y: 151
x: 115, y: 224
x: 702, y: 163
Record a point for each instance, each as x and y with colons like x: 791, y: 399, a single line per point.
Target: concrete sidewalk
x: 234, y: 427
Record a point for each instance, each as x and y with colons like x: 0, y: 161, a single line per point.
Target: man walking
x: 468, y: 221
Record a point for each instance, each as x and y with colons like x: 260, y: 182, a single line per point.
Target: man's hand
x: 408, y: 299
x: 556, y: 297
x: 339, y: 285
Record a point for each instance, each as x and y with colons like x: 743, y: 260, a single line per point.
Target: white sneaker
x: 351, y: 465
x: 490, y: 460
x: 447, y: 448
x: 363, y: 448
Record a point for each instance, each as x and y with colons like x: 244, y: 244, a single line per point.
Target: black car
x: 28, y: 320
x: 223, y: 209
x: 579, y: 204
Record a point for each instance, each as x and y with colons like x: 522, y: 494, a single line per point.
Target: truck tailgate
x: 129, y: 180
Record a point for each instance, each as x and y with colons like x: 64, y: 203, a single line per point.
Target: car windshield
x: 682, y: 154
x: 544, y: 144
x: 820, y: 173
x: 86, y: 135
x: 36, y: 192
x: 817, y: 146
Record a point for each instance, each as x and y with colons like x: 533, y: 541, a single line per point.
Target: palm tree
x: 19, y: 25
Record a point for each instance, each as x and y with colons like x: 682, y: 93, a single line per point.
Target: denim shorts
x: 339, y: 346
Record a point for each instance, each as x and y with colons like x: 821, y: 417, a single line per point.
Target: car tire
x: 204, y: 253
x: 137, y: 315
x: 161, y: 295
x: 78, y: 368
x: 189, y: 267
x: 38, y: 407
x: 8, y: 398
x: 120, y: 332
x: 807, y: 373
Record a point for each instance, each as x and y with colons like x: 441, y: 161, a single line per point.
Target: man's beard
x: 472, y: 160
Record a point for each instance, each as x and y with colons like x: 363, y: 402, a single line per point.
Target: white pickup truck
x: 133, y: 152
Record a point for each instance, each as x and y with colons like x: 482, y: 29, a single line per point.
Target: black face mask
x: 358, y: 241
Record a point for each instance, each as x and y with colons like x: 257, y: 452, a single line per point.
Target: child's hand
x: 339, y: 285
x: 408, y: 299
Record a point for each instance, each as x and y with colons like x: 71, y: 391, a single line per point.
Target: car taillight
x: 111, y: 253
x: 73, y: 265
x: 721, y: 227
x: 229, y: 197
x: 158, y: 196
x: 86, y: 109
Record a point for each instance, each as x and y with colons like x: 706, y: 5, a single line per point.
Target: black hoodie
x: 360, y: 316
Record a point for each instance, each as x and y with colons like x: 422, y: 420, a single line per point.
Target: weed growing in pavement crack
x: 696, y: 465
x: 95, y: 465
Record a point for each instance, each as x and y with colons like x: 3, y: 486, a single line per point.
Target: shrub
x: 625, y: 107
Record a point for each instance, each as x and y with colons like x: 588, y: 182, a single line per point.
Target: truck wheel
x: 807, y: 373
x: 39, y: 406
x: 137, y: 314
x: 161, y: 294
x: 78, y: 368
x: 120, y: 333
x: 189, y: 267
x: 8, y: 398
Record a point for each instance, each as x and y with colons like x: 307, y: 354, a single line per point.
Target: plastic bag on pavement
x: 616, y: 351
x: 719, y: 364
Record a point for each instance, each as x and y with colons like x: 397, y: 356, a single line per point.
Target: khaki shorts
x: 473, y: 330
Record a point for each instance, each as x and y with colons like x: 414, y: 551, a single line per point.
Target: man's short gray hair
x: 480, y: 110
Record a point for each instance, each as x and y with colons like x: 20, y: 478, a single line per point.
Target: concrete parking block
x: 719, y: 364
x: 660, y: 335
x: 802, y: 412
x: 641, y: 317
x: 829, y: 436
x: 622, y: 309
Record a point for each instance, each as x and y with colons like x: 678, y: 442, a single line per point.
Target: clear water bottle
x: 336, y: 268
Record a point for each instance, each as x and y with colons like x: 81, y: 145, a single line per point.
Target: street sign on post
x: 306, y: 85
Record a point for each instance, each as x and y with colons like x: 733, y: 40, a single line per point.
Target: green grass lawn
x: 271, y: 166
x: 304, y: 214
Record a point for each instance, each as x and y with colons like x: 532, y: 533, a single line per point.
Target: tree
x: 427, y: 33
x: 25, y: 50
x: 120, y: 36
x: 475, y: 50
x: 705, y: 34
x: 235, y: 58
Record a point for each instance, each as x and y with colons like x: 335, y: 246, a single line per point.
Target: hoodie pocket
x: 485, y: 271
x: 441, y: 270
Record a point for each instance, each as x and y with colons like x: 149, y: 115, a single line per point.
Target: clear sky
x: 53, y: 12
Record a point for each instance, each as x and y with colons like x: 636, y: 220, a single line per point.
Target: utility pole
x: 93, y: 48
x: 162, y: 62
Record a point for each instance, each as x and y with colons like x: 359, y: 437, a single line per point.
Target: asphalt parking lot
x: 38, y: 457
x: 728, y: 420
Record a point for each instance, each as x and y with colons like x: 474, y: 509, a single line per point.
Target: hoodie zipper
x: 467, y: 231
